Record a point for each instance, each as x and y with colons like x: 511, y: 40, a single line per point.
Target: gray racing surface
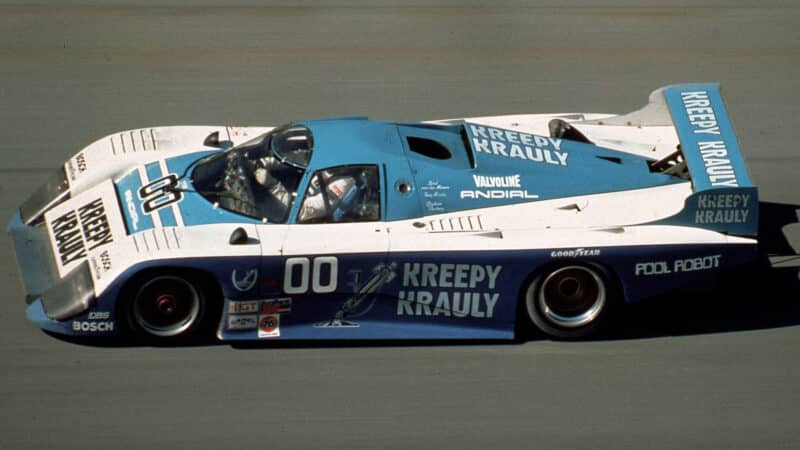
x: 716, y: 369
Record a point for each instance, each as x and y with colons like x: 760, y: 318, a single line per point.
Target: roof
x: 354, y: 141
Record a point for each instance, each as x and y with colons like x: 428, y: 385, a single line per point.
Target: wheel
x: 568, y: 302
x: 170, y: 307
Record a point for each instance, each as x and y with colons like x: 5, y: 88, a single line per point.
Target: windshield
x: 293, y: 145
x: 252, y: 179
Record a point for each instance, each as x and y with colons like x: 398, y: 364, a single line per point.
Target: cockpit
x: 258, y: 178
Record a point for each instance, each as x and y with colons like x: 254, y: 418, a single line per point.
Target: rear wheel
x: 568, y: 302
x: 171, y: 307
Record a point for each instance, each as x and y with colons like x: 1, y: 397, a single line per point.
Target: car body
x: 449, y: 229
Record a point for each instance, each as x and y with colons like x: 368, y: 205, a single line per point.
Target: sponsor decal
x: 79, y: 230
x: 497, y: 194
x: 160, y: 193
x: 244, y: 280
x: 574, y: 253
x: 76, y: 166
x: 80, y: 161
x: 470, y: 294
x: 483, y: 181
x: 506, y: 185
x: 381, y: 274
x: 105, y: 260
x: 250, y: 306
x: 702, y: 120
x: 238, y: 132
x: 722, y: 208
x: 242, y: 322
x: 130, y: 206
x: 70, y: 169
x: 93, y: 327
x: 101, y: 264
x: 677, y: 266
x: 276, y: 306
x: 269, y: 325
x: 513, y: 144
x: 99, y: 315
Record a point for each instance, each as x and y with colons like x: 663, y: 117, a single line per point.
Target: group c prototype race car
x: 350, y: 228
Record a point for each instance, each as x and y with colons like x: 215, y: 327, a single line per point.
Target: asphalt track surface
x: 716, y: 369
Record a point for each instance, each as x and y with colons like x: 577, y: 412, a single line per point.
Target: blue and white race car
x: 351, y: 228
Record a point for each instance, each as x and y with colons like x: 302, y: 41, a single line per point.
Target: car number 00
x: 326, y: 267
x: 160, y: 193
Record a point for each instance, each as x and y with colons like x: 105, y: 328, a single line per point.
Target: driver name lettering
x: 513, y: 144
x: 467, y: 293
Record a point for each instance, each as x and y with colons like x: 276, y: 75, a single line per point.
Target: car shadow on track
x: 763, y: 295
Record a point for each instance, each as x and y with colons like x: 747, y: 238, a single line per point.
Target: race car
x: 349, y: 228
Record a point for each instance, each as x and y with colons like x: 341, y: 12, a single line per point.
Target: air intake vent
x: 157, y: 239
x: 456, y: 224
x: 143, y: 140
x: 429, y: 148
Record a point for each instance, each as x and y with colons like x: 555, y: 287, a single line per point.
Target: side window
x: 342, y: 194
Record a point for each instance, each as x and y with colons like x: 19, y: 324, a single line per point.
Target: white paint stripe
x: 177, y: 212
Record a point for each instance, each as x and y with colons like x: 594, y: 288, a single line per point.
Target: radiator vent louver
x: 457, y: 224
x: 157, y: 239
x: 143, y: 140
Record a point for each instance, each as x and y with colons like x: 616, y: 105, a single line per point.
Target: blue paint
x: 128, y: 191
x: 643, y: 271
x: 546, y: 168
x: 730, y: 210
x: 153, y: 171
x: 194, y: 209
x: 488, y: 167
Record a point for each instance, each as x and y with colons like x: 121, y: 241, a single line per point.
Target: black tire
x: 569, y: 301
x: 172, y: 307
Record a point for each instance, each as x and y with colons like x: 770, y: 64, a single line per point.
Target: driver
x: 341, y: 193
x: 262, y: 174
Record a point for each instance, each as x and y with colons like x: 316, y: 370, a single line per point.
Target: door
x: 334, y: 256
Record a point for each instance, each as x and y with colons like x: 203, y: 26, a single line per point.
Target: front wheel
x: 568, y: 302
x: 170, y: 307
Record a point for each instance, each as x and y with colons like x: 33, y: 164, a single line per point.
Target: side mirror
x: 238, y: 237
x: 212, y: 140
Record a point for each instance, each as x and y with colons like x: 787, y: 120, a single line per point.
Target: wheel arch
x: 205, y: 280
x: 607, y: 271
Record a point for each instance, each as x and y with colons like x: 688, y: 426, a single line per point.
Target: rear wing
x: 709, y: 146
x: 724, y: 198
